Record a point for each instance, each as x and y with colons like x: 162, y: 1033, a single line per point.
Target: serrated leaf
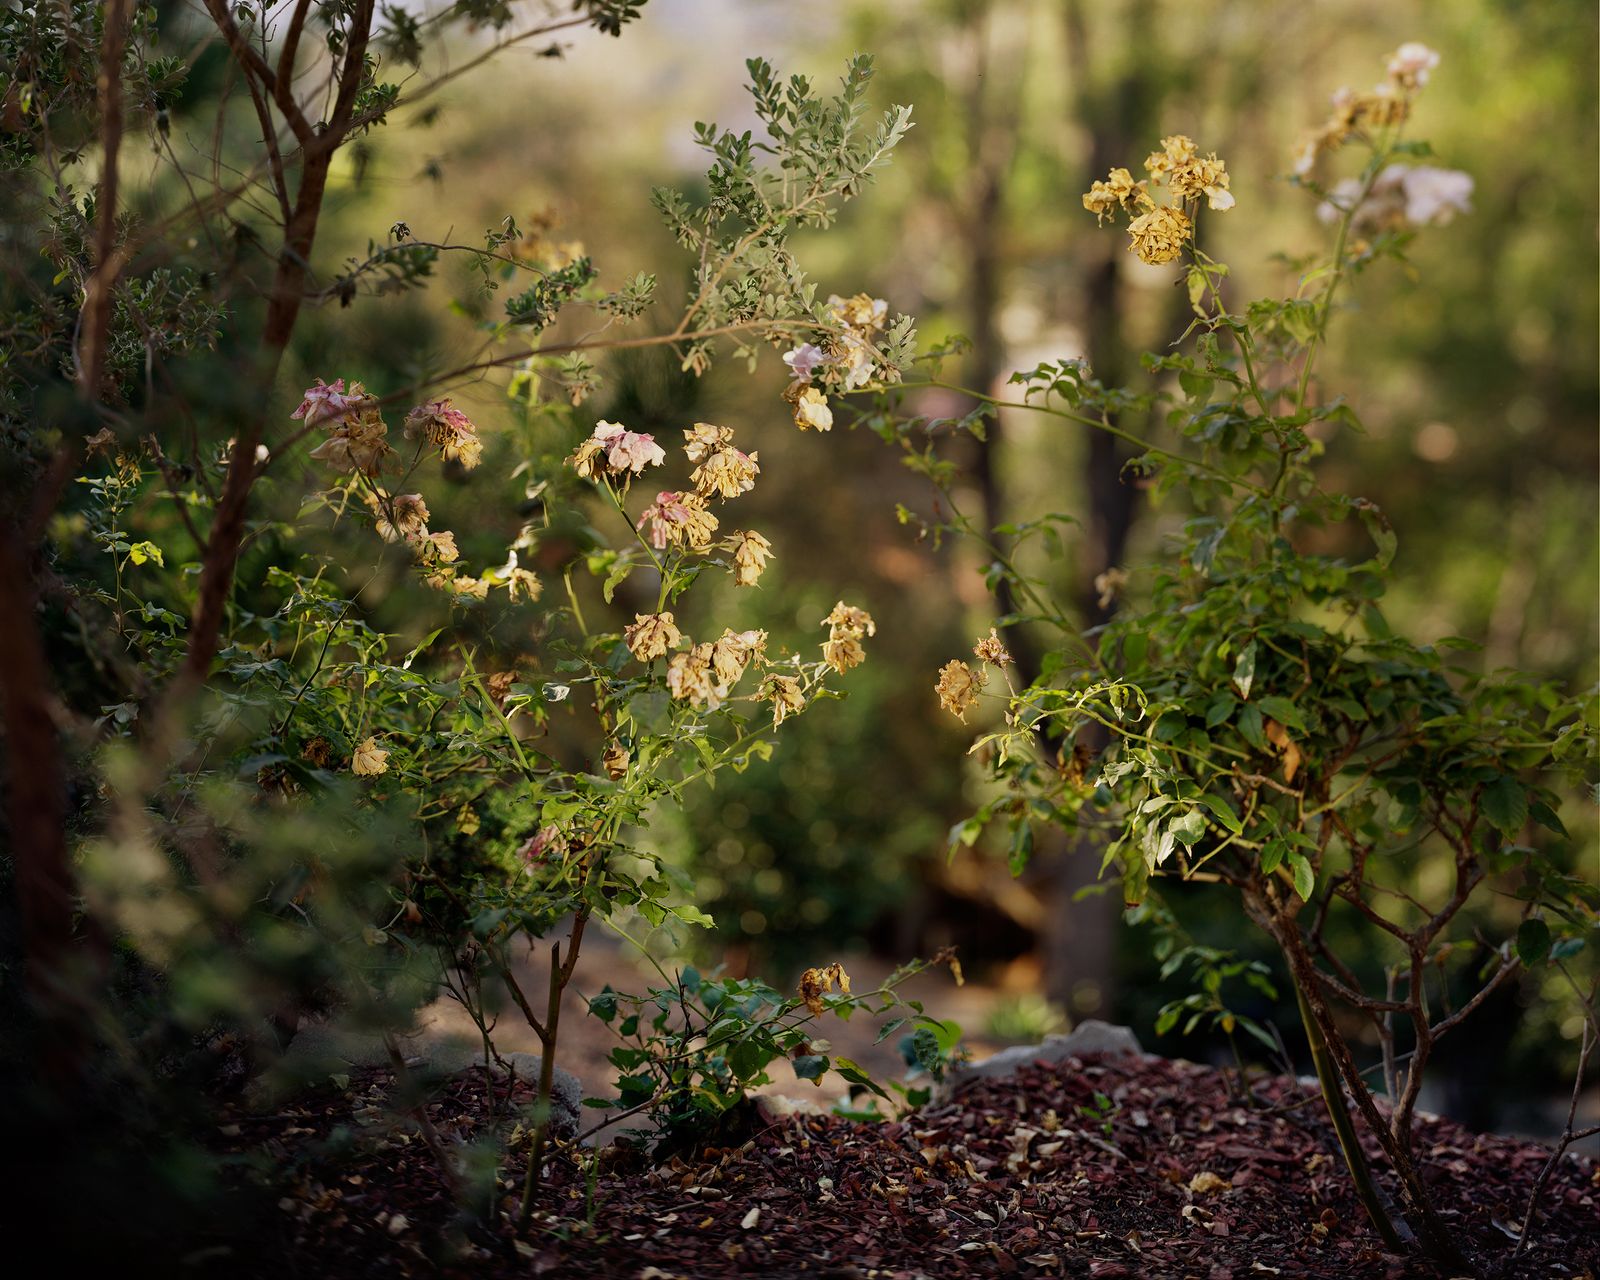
x: 1190, y: 827
x: 1504, y: 803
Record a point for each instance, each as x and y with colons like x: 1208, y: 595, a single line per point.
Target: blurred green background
x: 1475, y: 375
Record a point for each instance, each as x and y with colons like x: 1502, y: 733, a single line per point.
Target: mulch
x: 1017, y: 1176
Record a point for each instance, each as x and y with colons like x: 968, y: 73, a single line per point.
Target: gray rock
x: 1089, y: 1039
x: 566, y: 1092
x: 322, y: 1049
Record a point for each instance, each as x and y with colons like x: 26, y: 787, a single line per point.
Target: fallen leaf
x: 1207, y: 1183
x: 750, y: 1219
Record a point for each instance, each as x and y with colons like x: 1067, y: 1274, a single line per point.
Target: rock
x: 322, y: 1050
x: 1089, y: 1039
x: 566, y: 1092
x: 773, y: 1107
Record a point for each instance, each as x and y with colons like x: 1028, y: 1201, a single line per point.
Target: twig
x: 1569, y: 1135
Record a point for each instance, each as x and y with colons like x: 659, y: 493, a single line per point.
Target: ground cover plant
x: 338, y: 680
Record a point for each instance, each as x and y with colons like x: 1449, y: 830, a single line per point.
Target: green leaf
x: 1504, y: 803
x: 1304, y: 879
x: 1135, y: 880
x: 693, y: 915
x: 1223, y: 811
x: 966, y: 833
x: 1546, y: 817
x: 1380, y: 531
x: 810, y: 1066
x: 1251, y: 727
x: 748, y: 1059
x: 615, y: 578
x: 1244, y: 670
x: 1533, y: 941
x: 140, y: 552
x: 1190, y: 827
x: 1021, y: 847
x: 1272, y: 855
x: 1284, y: 712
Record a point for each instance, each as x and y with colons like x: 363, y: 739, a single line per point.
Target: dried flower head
x: 369, y: 759
x: 750, y: 555
x: 448, y: 430
x: 992, y: 649
x: 847, y: 619
x: 784, y: 694
x: 1176, y: 151
x: 406, y: 519
x: 677, y: 519
x: 816, y: 983
x: 861, y: 311
x: 1118, y: 192
x: 1159, y: 236
x: 726, y: 473
x: 613, y: 449
x: 733, y: 651
x: 811, y: 411
x: 651, y: 635
x: 1202, y: 176
x: 436, y: 548
x: 703, y: 439
x: 102, y: 441
x: 958, y: 687
x: 847, y: 627
x: 843, y: 652
x: 358, y: 442
x: 1352, y: 114
x: 326, y: 402
x: 1108, y: 584
x: 692, y: 679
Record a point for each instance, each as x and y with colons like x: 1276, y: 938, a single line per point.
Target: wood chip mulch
x: 1016, y: 1176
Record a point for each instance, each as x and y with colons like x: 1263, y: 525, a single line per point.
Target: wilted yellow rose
x: 958, y: 687
x: 651, y: 635
x: 784, y: 694
x: 750, y: 555
x: 369, y: 760
x: 1159, y: 236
